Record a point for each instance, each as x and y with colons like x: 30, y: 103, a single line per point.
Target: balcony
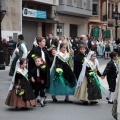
x: 75, y: 7
x: 49, y: 2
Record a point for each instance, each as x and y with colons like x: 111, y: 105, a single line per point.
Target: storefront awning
x: 39, y: 20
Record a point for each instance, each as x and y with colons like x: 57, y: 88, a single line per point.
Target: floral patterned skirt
x: 114, y: 109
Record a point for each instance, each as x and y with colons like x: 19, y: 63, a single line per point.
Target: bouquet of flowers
x: 34, y: 56
x: 43, y: 66
x: 59, y: 76
x: 20, y: 91
x: 53, y: 46
x: 92, y: 74
x: 84, y: 59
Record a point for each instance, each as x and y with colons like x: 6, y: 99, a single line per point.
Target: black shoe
x: 67, y: 101
x: 38, y: 101
x: 107, y: 98
x: 85, y: 103
x: 110, y: 102
x: 54, y: 99
x: 92, y: 103
x: 42, y: 104
x: 24, y: 108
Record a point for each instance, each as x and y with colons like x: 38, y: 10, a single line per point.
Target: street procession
x: 58, y: 68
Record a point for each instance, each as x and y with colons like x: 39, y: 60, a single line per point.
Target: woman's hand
x: 32, y: 79
x: 17, y: 86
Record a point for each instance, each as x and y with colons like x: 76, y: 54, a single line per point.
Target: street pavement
x: 55, y: 111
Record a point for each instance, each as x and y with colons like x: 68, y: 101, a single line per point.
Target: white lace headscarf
x: 82, y: 74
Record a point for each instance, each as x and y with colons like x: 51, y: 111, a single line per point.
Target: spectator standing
x: 5, y: 50
x: 50, y: 43
x: 11, y: 48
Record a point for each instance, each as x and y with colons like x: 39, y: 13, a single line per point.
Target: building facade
x: 12, y: 22
x: 38, y: 19
x: 72, y: 17
x: 102, y: 16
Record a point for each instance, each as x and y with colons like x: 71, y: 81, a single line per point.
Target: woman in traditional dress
x: 101, y: 48
x: 14, y: 59
x: 62, y: 79
x: 22, y: 54
x: 116, y: 104
x: 21, y: 95
x: 88, y: 86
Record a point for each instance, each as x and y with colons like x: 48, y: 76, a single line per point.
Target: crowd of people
x: 60, y: 67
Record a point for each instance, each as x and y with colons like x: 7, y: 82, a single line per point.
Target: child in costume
x: 111, y: 72
x: 21, y: 94
x: 38, y: 78
x: 62, y: 78
x: 79, y: 59
x: 88, y: 87
x: 107, y: 50
x: 40, y: 51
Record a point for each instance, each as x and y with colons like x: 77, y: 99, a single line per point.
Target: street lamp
x: 116, y: 16
x: 2, y: 14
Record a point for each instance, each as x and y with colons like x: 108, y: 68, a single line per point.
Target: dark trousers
x: 10, y: 52
x: 112, y: 84
x: 39, y: 90
x: 6, y: 59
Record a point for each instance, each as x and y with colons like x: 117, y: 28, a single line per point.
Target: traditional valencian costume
x: 88, y: 87
x: 78, y: 62
x: 23, y: 96
x: 62, y: 78
x: 43, y: 53
x: 13, y: 60
x: 115, y: 110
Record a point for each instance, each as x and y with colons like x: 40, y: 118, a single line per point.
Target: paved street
x: 55, y: 111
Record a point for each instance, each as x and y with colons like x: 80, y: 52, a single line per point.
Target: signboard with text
x: 34, y: 13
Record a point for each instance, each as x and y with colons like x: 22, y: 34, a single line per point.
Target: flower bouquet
x: 34, y: 56
x: 20, y: 91
x: 53, y: 46
x: 43, y: 67
x: 59, y: 75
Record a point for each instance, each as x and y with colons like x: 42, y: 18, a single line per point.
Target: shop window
x: 60, y: 30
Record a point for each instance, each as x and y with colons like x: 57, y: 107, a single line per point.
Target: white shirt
x: 50, y: 41
x: 43, y: 55
x: 25, y: 52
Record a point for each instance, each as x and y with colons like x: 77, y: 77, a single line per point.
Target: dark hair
x: 21, y: 37
x: 22, y: 60
x: 113, y: 54
x: 54, y: 48
x: 62, y: 44
x: 39, y: 39
x: 82, y: 46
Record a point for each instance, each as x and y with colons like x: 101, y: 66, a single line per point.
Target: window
x: 112, y: 11
x: 108, y: 10
x: 95, y: 9
x: 60, y: 30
